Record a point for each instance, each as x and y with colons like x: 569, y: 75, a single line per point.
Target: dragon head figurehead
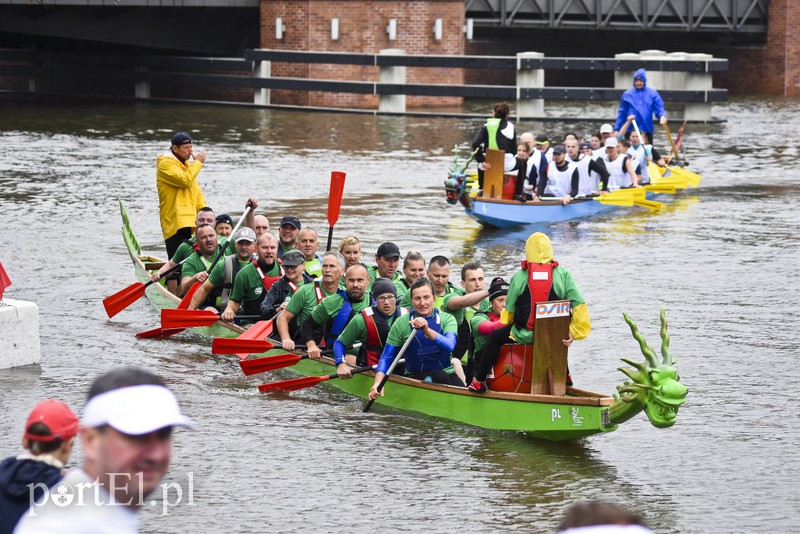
x: 654, y: 387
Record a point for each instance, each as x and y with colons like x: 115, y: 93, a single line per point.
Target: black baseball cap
x: 388, y: 250
x: 559, y: 150
x: 291, y: 220
x: 224, y: 218
x: 181, y: 138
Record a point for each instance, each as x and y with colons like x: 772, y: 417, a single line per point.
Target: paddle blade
x: 651, y: 205
x: 260, y: 330
x: 122, y: 299
x: 692, y: 178
x: 187, y: 298
x: 159, y: 333
x: 674, y: 180
x: 174, y: 318
x: 225, y: 345
x: 269, y: 363
x: 335, y: 197
x: 660, y: 189
x: 615, y: 200
x: 293, y: 385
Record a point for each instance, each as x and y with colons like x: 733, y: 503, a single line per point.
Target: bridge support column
x: 698, y: 81
x: 392, y: 103
x: 263, y: 71
x: 141, y: 89
x: 529, y: 79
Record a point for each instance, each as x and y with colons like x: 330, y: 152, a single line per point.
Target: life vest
x: 589, y: 181
x: 267, y: 281
x: 340, y: 320
x: 617, y: 172
x: 232, y: 268
x: 559, y: 183
x: 377, y: 331
x: 318, y: 291
x: 492, y: 125
x: 540, y: 288
x: 425, y: 355
x: 639, y: 154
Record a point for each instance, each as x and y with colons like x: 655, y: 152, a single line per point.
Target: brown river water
x: 717, y: 259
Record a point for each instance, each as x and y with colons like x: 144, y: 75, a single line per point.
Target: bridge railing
x: 682, y: 79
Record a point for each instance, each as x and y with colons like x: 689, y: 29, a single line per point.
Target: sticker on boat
x: 553, y: 309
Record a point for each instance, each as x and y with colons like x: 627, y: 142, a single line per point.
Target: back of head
x: 501, y: 110
x: 596, y: 513
x: 538, y: 249
x: 50, y: 423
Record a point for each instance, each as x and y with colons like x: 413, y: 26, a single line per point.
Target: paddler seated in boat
x: 350, y: 249
x: 370, y: 328
x: 195, y: 268
x: 542, y: 145
x: 413, y: 269
x: 308, y: 243
x: 484, y: 322
x: 590, y: 171
x: 260, y: 224
x: 621, y: 172
x: 304, y: 300
x: 254, y: 280
x: 427, y: 357
x: 329, y: 318
x: 223, y: 225
x: 213, y: 294
x: 282, y: 289
x: 561, y: 180
x: 287, y: 234
x: 387, y: 259
x: 439, y: 276
x: 497, y: 134
x: 541, y: 279
x: 462, y: 304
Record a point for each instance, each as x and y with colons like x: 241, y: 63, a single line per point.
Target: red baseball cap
x: 57, y: 417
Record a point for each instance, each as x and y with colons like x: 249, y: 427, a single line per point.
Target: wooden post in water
x: 549, y: 375
x: 493, y: 178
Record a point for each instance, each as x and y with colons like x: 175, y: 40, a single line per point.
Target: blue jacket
x: 15, y: 498
x: 642, y: 103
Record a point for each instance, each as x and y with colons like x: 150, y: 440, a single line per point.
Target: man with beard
x: 254, y: 280
x: 287, y: 235
x: 281, y: 292
x: 334, y: 312
x: 215, y: 291
x: 126, y: 437
x: 307, y: 297
x: 387, y: 261
x: 195, y: 268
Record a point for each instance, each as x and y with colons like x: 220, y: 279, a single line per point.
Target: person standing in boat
x: 254, y: 280
x: 307, y: 297
x: 282, y: 288
x: 370, y: 328
x: 427, y: 358
x: 179, y: 194
x: 215, y: 291
x: 330, y: 317
x: 541, y: 279
x: 642, y: 102
x: 561, y: 180
x: 497, y: 134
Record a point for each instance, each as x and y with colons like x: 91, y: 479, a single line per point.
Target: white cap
x: 606, y: 128
x: 611, y: 142
x: 135, y: 410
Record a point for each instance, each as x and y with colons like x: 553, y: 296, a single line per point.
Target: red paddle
x: 334, y: 202
x: 307, y: 381
x: 124, y: 298
x: 225, y: 345
x: 162, y: 332
x: 269, y: 363
x: 174, y: 318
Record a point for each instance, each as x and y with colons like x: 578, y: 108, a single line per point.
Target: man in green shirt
x: 287, y: 234
x: 307, y: 297
x: 334, y: 312
x: 255, y: 279
x: 215, y: 291
x: 195, y: 268
x: 387, y: 259
x: 439, y: 275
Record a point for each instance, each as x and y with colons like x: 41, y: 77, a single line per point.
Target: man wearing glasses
x: 294, y: 276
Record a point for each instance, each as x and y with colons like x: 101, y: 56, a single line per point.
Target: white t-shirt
x: 78, y: 506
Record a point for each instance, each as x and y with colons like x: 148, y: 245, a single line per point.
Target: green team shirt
x: 330, y: 306
x: 217, y: 274
x: 185, y: 249
x: 406, y: 300
x: 402, y: 286
x: 467, y: 312
x: 247, y: 286
x: 373, y: 275
x: 304, y: 301
x: 479, y: 339
x: 195, y: 264
x: 314, y: 267
x: 563, y: 285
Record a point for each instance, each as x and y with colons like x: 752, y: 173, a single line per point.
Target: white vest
x: 617, y: 172
x: 559, y: 183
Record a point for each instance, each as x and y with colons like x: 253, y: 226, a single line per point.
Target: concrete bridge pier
x: 392, y: 103
x: 529, y: 79
x: 263, y: 70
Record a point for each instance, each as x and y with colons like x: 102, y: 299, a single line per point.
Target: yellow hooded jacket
x: 179, y: 194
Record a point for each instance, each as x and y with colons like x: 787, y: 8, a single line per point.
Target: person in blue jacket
x: 643, y: 102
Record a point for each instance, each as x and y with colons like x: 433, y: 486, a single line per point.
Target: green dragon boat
x: 557, y: 414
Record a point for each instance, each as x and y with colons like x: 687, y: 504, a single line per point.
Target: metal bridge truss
x: 720, y: 16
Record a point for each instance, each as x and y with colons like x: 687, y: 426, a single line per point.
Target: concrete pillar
x: 392, y: 103
x: 263, y: 70
x: 19, y: 333
x: 529, y: 79
x: 698, y: 81
x: 141, y: 89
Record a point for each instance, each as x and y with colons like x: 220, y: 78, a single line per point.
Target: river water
x: 717, y: 259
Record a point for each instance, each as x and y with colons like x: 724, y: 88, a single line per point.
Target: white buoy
x: 19, y: 333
